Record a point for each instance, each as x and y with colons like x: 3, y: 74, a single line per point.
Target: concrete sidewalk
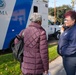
x: 56, y: 67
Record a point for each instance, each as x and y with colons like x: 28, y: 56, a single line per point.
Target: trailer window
x: 35, y: 9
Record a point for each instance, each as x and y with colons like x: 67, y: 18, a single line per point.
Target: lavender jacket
x: 35, y: 59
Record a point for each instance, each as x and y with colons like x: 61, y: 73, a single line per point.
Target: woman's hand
x: 45, y: 72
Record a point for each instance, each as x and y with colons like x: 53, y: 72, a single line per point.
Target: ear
x: 74, y: 20
x: 39, y: 22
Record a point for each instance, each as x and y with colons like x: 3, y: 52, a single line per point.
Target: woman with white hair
x: 35, y: 55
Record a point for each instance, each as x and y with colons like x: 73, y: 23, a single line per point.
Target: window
x: 35, y: 9
x: 45, y: 0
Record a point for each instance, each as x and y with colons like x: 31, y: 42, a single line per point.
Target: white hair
x: 35, y: 17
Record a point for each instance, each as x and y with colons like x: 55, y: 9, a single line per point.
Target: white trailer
x: 14, y: 16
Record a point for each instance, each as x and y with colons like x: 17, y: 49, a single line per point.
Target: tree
x: 51, y: 11
x: 60, y: 12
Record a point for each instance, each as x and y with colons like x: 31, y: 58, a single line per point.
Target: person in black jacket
x: 67, y: 43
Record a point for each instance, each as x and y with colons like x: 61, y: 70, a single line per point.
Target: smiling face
x: 69, y: 21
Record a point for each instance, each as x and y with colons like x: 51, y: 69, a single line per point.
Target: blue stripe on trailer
x: 15, y: 26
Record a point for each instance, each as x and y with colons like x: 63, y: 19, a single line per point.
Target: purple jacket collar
x: 35, y: 25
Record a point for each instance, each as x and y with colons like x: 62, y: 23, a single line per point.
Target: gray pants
x: 69, y: 64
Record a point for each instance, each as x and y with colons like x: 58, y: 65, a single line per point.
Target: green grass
x: 9, y: 66
x: 52, y: 52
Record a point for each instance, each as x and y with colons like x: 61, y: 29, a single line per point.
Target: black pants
x: 69, y: 64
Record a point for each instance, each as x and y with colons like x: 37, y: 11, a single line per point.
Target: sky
x: 59, y: 2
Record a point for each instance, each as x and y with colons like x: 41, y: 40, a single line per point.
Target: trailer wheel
x: 11, y: 44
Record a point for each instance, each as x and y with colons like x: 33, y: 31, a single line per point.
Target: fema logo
x: 2, y: 4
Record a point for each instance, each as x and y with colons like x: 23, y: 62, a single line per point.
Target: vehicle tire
x: 57, y: 35
x: 11, y: 44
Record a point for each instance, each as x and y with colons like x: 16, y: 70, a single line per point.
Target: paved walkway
x: 56, y: 67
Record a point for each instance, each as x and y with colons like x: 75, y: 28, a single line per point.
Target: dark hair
x: 72, y: 14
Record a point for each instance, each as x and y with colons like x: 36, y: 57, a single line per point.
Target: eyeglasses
x: 66, y: 20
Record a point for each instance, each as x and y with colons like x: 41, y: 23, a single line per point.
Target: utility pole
x: 73, y: 2
x: 54, y: 11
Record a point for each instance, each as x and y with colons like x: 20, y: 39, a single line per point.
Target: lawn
x: 52, y: 52
x: 9, y: 66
